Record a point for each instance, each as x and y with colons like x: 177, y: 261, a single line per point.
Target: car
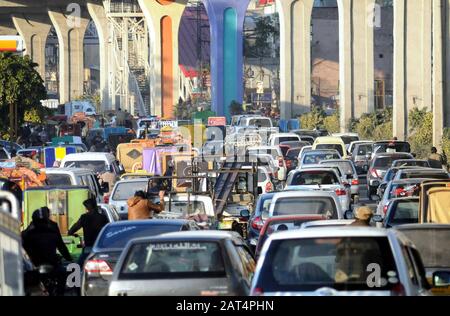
x: 315, y: 156
x: 361, y: 153
x: 303, y: 151
x: 422, y: 173
x: 398, y: 189
x: 411, y: 163
x: 339, y: 262
x: 310, y: 133
x: 334, y: 143
x: 265, y: 177
x: 123, y: 190
x: 324, y: 179
x: 308, y: 139
x: 323, y: 203
x: 286, y: 146
x: 347, y: 138
x: 390, y: 146
x: 432, y: 243
x: 327, y: 223
x: 258, y: 217
x: 275, y: 154
x: 378, y: 167
x: 282, y: 223
x: 110, y: 212
x: 97, y: 162
x: 185, y: 264
x: 291, y: 159
x: 10, y: 146
x: 99, y: 265
x: 349, y: 173
x: 277, y: 139
x: 388, y: 177
x: 400, y: 211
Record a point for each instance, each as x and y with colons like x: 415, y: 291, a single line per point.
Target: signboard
x: 217, y: 121
x: 11, y: 44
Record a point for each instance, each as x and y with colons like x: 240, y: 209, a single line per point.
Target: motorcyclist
x: 41, y: 240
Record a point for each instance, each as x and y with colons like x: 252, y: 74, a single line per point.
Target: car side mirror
x: 245, y: 214
x: 441, y: 279
x: 377, y: 218
x: 349, y: 215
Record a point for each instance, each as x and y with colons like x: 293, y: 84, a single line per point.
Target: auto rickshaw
x: 432, y: 197
x: 66, y: 207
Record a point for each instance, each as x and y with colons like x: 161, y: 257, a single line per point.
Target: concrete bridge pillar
x: 6, y: 24
x: 163, y: 18
x: 356, y: 59
x: 412, y: 60
x: 295, y: 56
x: 34, y: 30
x: 98, y: 15
x: 226, y: 18
x: 70, y: 31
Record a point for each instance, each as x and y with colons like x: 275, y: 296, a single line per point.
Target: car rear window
x: 260, y: 122
x: 172, y: 260
x: 58, y: 179
x: 362, y: 150
x: 126, y: 190
x: 117, y: 236
x: 305, y: 206
x: 313, y: 178
x: 399, y: 190
x: 294, y: 265
x: 424, y: 175
x: 345, y: 166
x: 95, y: 166
x: 385, y: 162
x: 411, y: 163
x: 293, y: 153
x: 331, y: 146
x: 315, y: 158
x: 395, y: 147
x: 280, y: 140
x: 405, y: 212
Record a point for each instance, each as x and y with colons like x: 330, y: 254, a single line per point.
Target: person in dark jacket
x: 92, y: 223
x: 41, y: 240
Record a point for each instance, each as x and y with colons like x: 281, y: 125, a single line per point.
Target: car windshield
x: 337, y: 147
x: 424, y: 175
x: 185, y: 207
x: 172, y: 260
x: 58, y: 179
x: 313, y: 177
x: 399, y: 190
x: 432, y: 244
x: 411, y: 163
x: 316, y: 158
x: 96, y: 166
x: 406, y: 212
x: 117, y: 236
x: 345, y: 166
x: 293, y: 153
x: 125, y: 190
x: 300, y: 265
x: 392, y: 147
x: 305, y: 206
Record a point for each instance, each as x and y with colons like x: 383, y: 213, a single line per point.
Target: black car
x: 99, y: 265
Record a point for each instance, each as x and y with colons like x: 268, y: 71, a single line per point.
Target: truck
x: 86, y: 107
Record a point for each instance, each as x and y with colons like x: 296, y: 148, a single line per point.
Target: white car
x: 306, y: 202
x: 322, y: 179
x: 264, y: 179
x: 277, y: 139
x: 123, y: 190
x: 96, y: 162
x: 343, y: 261
x: 111, y: 212
x: 348, y: 170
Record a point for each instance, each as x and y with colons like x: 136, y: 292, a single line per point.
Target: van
x: 75, y: 176
x: 331, y: 143
x: 96, y: 162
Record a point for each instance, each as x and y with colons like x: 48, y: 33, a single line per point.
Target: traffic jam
x: 97, y: 205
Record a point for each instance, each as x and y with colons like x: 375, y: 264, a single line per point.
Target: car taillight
x: 106, y: 199
x: 398, y: 290
x: 385, y: 208
x: 258, y: 291
x: 341, y: 192
x: 269, y: 187
x: 257, y: 223
x: 355, y: 182
x: 98, y: 266
x: 374, y: 173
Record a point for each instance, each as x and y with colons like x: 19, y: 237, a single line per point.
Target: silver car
x: 344, y: 261
x: 349, y: 173
x: 123, y: 190
x: 184, y: 264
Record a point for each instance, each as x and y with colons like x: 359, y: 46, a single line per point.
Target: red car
x: 283, y: 223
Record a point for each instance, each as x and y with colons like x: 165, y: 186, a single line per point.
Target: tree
x: 236, y: 108
x: 21, y: 87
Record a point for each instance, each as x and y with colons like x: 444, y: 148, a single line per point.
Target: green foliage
x: 95, y: 99
x: 446, y: 143
x: 257, y: 41
x: 182, y: 111
x: 20, y: 86
x: 313, y: 119
x: 332, y: 123
x: 374, y: 126
x: 421, y: 132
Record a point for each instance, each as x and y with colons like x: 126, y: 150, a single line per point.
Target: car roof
x: 425, y: 226
x: 131, y: 180
x: 380, y: 155
x: 304, y: 193
x: 327, y: 223
x: 313, y: 168
x: 206, y: 235
x: 423, y: 169
x: 412, y: 180
x: 90, y: 155
x: 326, y: 232
x: 329, y: 139
x: 294, y: 217
x: 66, y: 170
x: 175, y: 222
x: 321, y: 151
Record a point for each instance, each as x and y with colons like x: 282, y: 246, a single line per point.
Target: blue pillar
x: 226, y: 19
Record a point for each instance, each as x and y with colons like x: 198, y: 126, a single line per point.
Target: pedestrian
x: 435, y: 159
x: 41, y: 240
x: 92, y: 223
x: 363, y: 215
x: 108, y: 177
x: 140, y: 207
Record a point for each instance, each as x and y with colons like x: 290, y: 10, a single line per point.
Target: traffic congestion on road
x: 145, y: 206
